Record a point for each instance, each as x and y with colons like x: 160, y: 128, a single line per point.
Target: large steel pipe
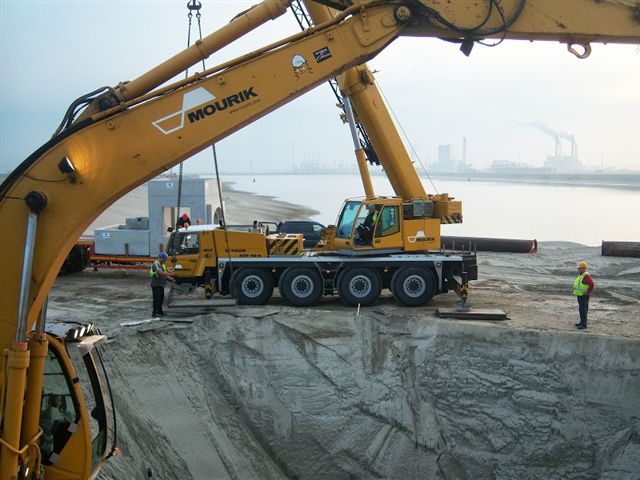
x: 489, y: 244
x: 620, y: 249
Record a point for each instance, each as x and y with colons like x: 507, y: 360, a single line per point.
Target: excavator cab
x: 77, y: 417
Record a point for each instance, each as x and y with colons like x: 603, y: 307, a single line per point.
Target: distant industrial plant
x: 558, y: 162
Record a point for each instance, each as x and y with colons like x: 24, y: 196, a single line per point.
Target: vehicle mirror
x: 170, y: 229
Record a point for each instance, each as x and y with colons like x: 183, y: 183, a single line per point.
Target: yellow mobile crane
x: 128, y: 134
x: 379, y: 242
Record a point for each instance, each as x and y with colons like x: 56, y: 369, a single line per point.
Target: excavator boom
x: 566, y: 21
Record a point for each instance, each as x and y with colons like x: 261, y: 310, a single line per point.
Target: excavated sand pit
x: 277, y: 392
x: 270, y: 393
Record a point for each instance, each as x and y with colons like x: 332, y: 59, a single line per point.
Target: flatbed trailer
x: 83, y: 254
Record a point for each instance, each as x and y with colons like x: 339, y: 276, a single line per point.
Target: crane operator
x: 365, y: 229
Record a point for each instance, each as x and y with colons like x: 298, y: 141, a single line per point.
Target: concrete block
x: 137, y: 223
x: 113, y: 241
x: 199, y: 198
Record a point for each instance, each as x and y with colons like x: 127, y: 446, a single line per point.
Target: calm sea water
x: 580, y: 214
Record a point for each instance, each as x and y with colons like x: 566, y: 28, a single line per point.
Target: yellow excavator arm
x: 131, y: 133
x: 578, y: 22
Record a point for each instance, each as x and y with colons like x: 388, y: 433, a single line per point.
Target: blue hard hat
x: 163, y: 255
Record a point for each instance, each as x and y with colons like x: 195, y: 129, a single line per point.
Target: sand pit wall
x: 329, y: 396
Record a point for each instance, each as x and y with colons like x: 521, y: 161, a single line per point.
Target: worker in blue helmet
x: 159, y: 276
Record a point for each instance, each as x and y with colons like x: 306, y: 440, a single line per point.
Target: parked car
x: 310, y: 230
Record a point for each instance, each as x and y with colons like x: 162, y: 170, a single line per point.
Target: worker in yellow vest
x: 159, y: 276
x: 582, y: 288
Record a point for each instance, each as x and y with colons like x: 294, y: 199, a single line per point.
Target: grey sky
x: 53, y: 51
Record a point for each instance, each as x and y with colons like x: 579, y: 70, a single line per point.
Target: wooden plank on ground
x: 201, y: 302
x: 472, y: 314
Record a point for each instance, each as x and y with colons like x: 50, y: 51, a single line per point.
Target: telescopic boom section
x: 359, y: 85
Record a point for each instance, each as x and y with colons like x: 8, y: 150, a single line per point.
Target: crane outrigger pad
x: 473, y: 314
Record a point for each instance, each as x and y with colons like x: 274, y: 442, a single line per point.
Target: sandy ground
x: 534, y: 290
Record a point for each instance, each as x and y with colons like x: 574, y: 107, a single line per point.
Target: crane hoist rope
x: 192, y: 6
x: 196, y: 6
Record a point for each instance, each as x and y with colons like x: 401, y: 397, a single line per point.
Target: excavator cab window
x: 58, y: 412
x: 68, y: 364
x: 94, y: 401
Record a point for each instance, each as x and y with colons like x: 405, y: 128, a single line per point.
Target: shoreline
x: 560, y: 180
x: 236, y: 203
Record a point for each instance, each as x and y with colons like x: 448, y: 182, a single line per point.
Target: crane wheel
x: 413, y: 286
x: 301, y: 287
x: 359, y: 286
x: 252, y: 286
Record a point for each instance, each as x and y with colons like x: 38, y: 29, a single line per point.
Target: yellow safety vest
x: 579, y: 288
x: 152, y: 272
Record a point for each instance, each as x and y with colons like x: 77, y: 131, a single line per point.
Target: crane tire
x: 413, y: 286
x: 301, y: 287
x: 252, y: 286
x: 359, y: 286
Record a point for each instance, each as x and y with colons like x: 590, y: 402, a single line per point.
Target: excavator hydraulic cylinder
x: 17, y: 359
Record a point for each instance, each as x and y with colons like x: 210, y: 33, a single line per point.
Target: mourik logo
x: 203, y: 103
x: 420, y: 237
x: 190, y: 100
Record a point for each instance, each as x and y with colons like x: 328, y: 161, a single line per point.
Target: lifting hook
x: 586, y: 49
x: 194, y: 5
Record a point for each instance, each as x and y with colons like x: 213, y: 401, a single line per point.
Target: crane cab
x: 385, y: 224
